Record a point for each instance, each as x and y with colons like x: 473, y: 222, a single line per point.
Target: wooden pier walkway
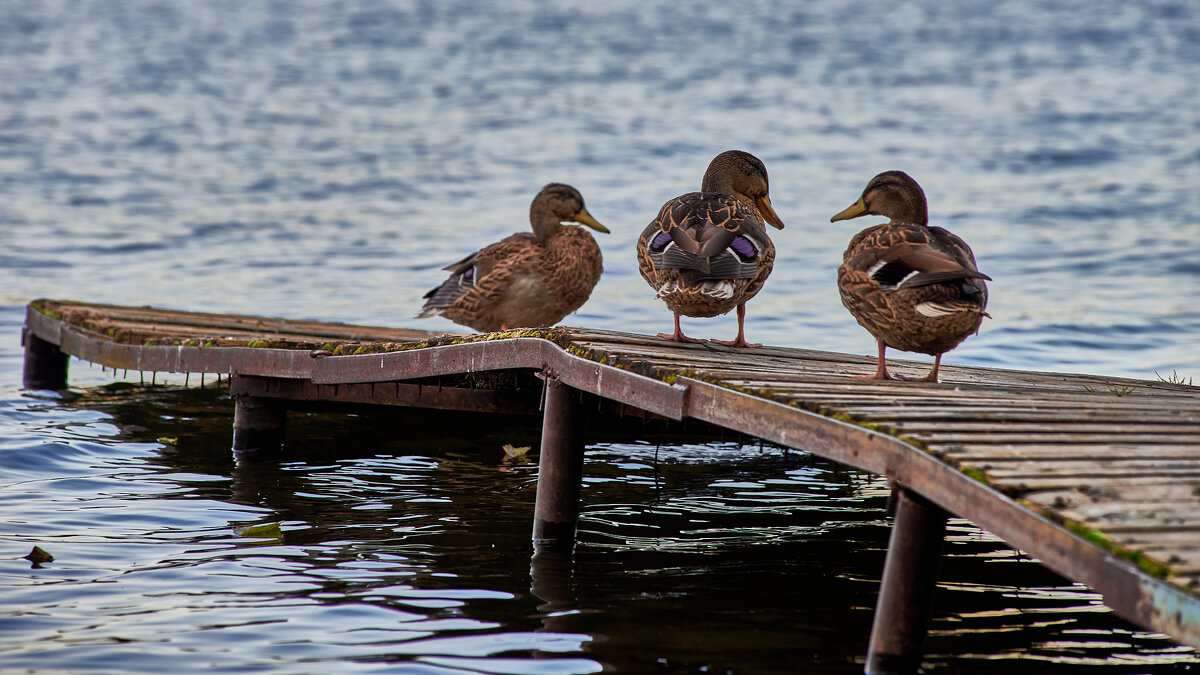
x: 1098, y: 478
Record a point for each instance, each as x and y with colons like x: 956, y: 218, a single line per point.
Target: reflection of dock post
x: 551, y: 576
x: 906, y: 594
x: 257, y: 425
x: 560, y: 468
x: 45, y: 363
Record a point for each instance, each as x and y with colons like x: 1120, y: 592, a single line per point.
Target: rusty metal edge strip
x: 1135, y: 595
x: 286, y: 363
x: 652, y: 395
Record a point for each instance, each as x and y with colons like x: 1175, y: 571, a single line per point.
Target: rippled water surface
x: 324, y: 160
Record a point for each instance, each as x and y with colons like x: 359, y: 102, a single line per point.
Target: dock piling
x: 560, y: 468
x: 258, y: 425
x: 45, y: 363
x: 906, y: 593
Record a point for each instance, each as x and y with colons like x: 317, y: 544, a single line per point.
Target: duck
x: 708, y: 252
x: 528, y: 279
x: 915, y: 288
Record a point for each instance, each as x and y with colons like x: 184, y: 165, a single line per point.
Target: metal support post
x: 560, y: 468
x: 258, y: 425
x: 45, y: 363
x: 906, y: 594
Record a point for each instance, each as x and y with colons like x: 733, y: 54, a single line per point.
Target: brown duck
x: 525, y: 280
x: 915, y: 288
x: 708, y: 252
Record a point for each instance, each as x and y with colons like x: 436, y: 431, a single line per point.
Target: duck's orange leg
x: 740, y: 341
x: 881, y: 372
x: 931, y: 377
x: 678, y: 335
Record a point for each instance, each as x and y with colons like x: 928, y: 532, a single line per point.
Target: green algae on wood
x: 1144, y: 562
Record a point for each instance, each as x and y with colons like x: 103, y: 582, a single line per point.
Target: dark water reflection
x: 405, y: 549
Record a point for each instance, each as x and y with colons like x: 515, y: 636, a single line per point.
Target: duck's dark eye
x: 744, y: 248
x: 660, y: 241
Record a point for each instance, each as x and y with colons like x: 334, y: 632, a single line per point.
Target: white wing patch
x: 721, y: 290
x: 935, y: 309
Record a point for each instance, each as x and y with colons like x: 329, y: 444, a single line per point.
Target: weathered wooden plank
x: 1131, y: 494
x: 77, y: 313
x: 1113, y: 528
x: 1093, y: 467
x: 149, y: 334
x: 1174, y: 539
x: 836, y: 389
x: 1180, y: 561
x: 843, y: 398
x: 1162, y: 515
x: 1034, y: 484
x: 1013, y: 414
x: 1066, y: 451
x: 1181, y: 433
x: 629, y: 345
x: 1044, y: 438
x: 644, y: 347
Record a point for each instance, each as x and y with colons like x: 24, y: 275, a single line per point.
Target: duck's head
x: 892, y: 194
x: 556, y: 204
x: 743, y: 175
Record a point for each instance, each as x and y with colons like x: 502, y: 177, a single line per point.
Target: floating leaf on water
x: 513, y: 453
x: 168, y: 440
x: 37, y: 556
x: 264, y: 531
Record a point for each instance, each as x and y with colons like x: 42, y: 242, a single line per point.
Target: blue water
x: 325, y: 160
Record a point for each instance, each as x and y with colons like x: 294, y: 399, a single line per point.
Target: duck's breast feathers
x: 907, y: 256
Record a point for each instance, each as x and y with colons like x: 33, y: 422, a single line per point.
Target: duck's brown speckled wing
x: 916, y: 288
x: 715, y: 237
x: 519, y: 282
x: 477, y: 282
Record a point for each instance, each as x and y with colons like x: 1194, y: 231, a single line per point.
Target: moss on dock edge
x: 556, y: 335
x: 1145, y: 563
x: 46, y: 311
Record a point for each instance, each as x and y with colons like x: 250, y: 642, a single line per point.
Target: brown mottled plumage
x: 525, y: 280
x: 915, y: 288
x: 708, y: 252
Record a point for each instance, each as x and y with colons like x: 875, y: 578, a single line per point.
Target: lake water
x: 325, y: 160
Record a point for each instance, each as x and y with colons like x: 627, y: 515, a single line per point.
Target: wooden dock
x: 1098, y: 478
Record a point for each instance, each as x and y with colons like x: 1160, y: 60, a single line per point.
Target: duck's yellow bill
x: 768, y: 212
x: 585, y: 218
x: 855, y: 210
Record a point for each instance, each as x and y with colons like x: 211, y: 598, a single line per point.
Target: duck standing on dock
x: 708, y: 252
x: 915, y: 288
x: 525, y: 280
